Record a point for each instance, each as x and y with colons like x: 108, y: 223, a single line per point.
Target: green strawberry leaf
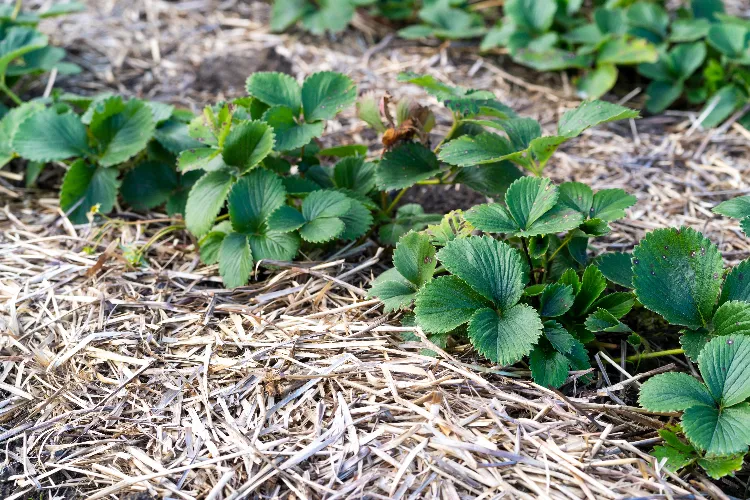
x: 736, y: 208
x: 718, y: 432
x: 602, y: 320
x: 596, y: 83
x: 689, y: 30
x: 9, y: 125
x: 207, y: 159
x: 675, y: 459
x: 253, y: 199
x: 174, y: 137
x: 732, y: 318
x: 559, y: 337
x: 321, y: 219
x: 414, y: 257
x: 535, y: 16
x: 409, y: 217
x: 355, y: 174
x: 492, y: 268
x: 592, y: 286
x: 729, y: 39
x: 610, y: 204
x: 235, y: 260
x: 406, y: 165
x: 555, y: 300
x: 617, y: 268
x: 275, y: 89
x: 618, y: 304
x: 122, y: 130
x: 148, y: 185
x: 693, y: 342
x: 718, y: 467
x: 205, y: 201
x: 725, y: 366
x: 288, y: 133
x: 723, y: 103
x: 47, y: 136
x: 85, y: 186
x: 504, y: 337
x: 357, y: 221
x: 676, y: 273
x: 590, y: 114
x: 273, y: 245
x: 248, y: 144
x: 625, y: 52
x: 673, y: 392
x: 548, y: 367
x: 446, y: 303
x: 395, y: 291
x: 661, y: 95
x: 326, y: 93
x: 18, y: 41
x: 737, y: 283
x: 484, y: 148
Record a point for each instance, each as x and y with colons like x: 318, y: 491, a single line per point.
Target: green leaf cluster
x: 716, y: 418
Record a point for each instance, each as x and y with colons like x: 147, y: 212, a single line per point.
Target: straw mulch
x: 155, y: 381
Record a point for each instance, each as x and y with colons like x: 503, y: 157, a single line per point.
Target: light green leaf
x: 548, y: 367
x: 235, y: 260
x: 686, y: 58
x: 492, y: 268
x: 737, y: 283
x: 446, y: 303
x: 627, y: 51
x: 552, y: 59
x: 275, y: 89
x: 589, y: 114
x: 492, y: 218
x: 330, y: 15
x: 693, y: 342
x: 326, y: 93
x: 46, y: 136
x: 673, y: 392
x: 208, y: 159
x: 451, y: 226
x: 592, y: 286
x: 689, y: 30
x: 676, y: 459
x: 174, y: 137
x: 521, y: 131
x: 9, y: 125
x: 555, y: 300
x: 725, y: 365
x: 610, y: 204
x: 406, y: 165
x: 288, y: 133
x: 284, y: 13
x: 210, y: 244
x: 596, y: 83
x: 414, y: 258
x: 736, y: 208
x: 286, y: 219
x: 248, y: 144
x: 718, y: 467
x: 205, y: 201
x: 676, y: 273
x: 505, y: 337
x: 85, y: 186
x: 649, y: 17
x: 253, y: 199
x: 148, y: 185
x: 718, y: 432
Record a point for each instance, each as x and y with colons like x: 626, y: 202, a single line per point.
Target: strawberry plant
x: 116, y: 145
x: 716, y: 412
x: 24, y: 51
x: 519, y: 295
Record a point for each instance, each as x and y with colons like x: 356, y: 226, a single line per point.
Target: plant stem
x: 654, y: 354
x: 16, y: 10
x: 430, y: 182
x: 395, y: 201
x: 449, y: 135
x: 528, y: 258
x: 562, y: 245
x: 10, y: 93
